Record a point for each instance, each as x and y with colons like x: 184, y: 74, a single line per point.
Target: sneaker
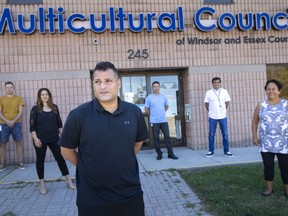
x: 2, y: 168
x: 229, y: 154
x: 209, y: 154
x: 21, y: 166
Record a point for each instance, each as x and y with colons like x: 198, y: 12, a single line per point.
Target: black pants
x: 165, y: 130
x: 268, y: 161
x: 41, y: 154
x: 133, y: 207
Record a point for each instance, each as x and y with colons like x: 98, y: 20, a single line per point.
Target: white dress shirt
x: 216, y: 100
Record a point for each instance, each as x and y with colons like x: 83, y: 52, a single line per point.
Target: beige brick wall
x: 61, y: 62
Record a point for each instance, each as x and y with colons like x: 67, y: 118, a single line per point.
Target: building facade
x: 182, y: 44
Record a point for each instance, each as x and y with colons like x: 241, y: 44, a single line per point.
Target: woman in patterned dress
x: 271, y: 120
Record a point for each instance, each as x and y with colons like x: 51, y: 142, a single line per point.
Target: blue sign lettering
x: 6, y: 19
x: 197, y: 19
x: 231, y: 19
x: 245, y: 24
x: 70, y: 21
x: 21, y: 24
x: 131, y: 23
x: 275, y: 19
x: 102, y: 27
x: 265, y: 17
x: 117, y: 19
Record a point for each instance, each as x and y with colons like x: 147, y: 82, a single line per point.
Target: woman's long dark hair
x: 50, y: 103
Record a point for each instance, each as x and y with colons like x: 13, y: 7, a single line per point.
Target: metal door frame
x: 180, y: 99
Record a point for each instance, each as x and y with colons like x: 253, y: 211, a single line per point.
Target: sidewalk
x: 165, y: 192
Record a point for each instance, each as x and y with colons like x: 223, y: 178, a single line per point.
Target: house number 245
x: 139, y: 53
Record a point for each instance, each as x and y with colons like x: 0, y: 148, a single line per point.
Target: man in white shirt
x: 216, y: 102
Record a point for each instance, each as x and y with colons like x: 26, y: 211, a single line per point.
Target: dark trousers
x: 165, y: 130
x: 268, y: 161
x: 133, y: 207
x: 41, y: 154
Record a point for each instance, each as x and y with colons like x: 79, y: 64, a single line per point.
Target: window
x: 218, y: 1
x: 24, y: 1
x: 279, y: 72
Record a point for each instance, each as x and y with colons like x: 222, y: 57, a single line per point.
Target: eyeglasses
x: 216, y: 82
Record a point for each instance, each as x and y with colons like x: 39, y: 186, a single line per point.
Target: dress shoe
x: 159, y: 157
x: 172, y: 156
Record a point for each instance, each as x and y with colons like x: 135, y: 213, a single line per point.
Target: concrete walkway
x: 165, y: 192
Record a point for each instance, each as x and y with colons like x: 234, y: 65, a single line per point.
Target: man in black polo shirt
x: 107, y: 133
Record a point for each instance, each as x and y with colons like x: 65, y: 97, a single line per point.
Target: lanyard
x: 218, y: 96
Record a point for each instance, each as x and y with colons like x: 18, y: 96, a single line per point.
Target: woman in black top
x: 45, y: 127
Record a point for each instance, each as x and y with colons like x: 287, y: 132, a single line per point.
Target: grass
x: 236, y: 190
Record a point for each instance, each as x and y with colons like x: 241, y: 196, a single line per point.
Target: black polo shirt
x: 107, y: 172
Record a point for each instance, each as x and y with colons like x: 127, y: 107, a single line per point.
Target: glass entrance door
x: 169, y: 86
x: 135, y: 88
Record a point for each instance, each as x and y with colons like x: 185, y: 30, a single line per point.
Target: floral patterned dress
x: 273, y: 127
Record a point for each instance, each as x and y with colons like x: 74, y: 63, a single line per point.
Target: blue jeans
x: 16, y: 132
x: 224, y: 131
x: 156, y: 127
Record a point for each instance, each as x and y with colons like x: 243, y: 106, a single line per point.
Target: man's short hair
x: 9, y: 83
x: 155, y: 82
x: 103, y: 66
x: 216, y: 78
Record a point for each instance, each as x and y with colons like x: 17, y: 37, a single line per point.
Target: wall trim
x: 45, y: 75
x: 227, y: 69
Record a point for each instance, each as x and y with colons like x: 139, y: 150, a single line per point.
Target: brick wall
x: 61, y: 62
